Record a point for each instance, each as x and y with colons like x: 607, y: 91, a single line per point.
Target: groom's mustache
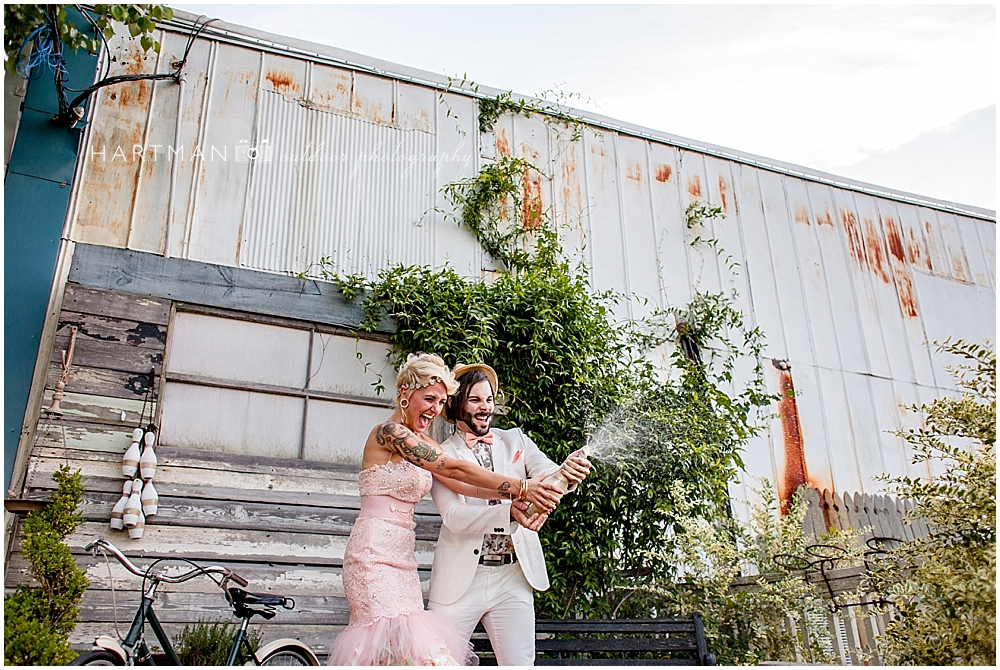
x: 479, y: 416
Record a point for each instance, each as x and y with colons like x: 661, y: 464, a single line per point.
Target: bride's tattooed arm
x: 399, y: 438
x: 403, y: 440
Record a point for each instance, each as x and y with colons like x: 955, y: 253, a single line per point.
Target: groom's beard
x: 479, y: 423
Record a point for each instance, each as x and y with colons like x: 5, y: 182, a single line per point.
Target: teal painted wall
x: 37, y: 189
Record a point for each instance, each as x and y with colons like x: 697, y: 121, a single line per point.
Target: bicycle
x: 132, y: 649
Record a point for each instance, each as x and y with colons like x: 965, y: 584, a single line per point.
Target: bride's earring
x: 404, y: 403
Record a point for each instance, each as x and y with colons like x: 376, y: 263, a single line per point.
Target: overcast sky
x: 899, y: 95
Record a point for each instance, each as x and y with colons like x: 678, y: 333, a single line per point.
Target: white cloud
x: 956, y: 162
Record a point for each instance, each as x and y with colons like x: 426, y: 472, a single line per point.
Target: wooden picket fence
x: 854, y: 628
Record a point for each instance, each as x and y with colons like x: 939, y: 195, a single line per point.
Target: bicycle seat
x: 241, y: 597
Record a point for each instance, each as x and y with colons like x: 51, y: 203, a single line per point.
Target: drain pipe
x: 178, y: 147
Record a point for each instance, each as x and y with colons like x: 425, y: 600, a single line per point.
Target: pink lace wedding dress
x: 389, y: 625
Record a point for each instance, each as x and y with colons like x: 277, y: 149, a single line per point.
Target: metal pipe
x: 175, y: 165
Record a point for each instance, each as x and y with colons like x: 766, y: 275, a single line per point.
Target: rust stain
x: 907, y: 299
x: 794, y: 475
x: 282, y: 80
x: 904, y: 284
x: 958, y: 267
x: 694, y: 186
x: 633, y: 171
x: 341, y: 89
x: 503, y: 146
x: 855, y: 244
x: 931, y: 245
x: 531, y: 207
x: 723, y: 191
x: 895, y: 239
x: 824, y: 219
x: 802, y: 214
x: 663, y: 173
x: 824, y: 506
x: 572, y: 198
x: 873, y: 247
x: 915, y: 251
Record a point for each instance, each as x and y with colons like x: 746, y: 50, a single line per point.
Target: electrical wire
x: 118, y: 79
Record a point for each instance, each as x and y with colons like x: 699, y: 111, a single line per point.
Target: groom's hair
x: 456, y: 402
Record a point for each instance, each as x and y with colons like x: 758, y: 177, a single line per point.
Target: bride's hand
x: 542, y: 494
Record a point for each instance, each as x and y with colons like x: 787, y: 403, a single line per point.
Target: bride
x: 388, y: 624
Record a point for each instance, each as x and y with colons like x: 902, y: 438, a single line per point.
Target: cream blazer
x: 466, y: 520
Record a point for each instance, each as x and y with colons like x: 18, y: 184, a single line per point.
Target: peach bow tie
x: 471, y: 439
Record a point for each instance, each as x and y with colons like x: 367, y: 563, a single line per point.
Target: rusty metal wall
x: 847, y: 281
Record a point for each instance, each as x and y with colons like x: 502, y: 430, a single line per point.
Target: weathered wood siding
x: 281, y: 523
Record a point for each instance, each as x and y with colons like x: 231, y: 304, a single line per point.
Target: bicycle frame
x: 134, y: 644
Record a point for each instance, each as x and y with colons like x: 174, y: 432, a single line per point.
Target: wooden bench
x: 612, y: 642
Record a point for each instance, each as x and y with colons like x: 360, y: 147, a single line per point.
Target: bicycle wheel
x: 288, y: 654
x: 98, y: 657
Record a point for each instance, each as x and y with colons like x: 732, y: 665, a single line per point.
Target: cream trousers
x: 503, y: 599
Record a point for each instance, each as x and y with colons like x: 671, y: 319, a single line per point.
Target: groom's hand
x: 576, y: 467
x: 533, y: 522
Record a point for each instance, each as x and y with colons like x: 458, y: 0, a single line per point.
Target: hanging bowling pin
x: 130, y: 461
x: 150, y: 500
x: 133, y: 508
x: 135, y: 532
x: 119, y: 508
x: 147, y: 463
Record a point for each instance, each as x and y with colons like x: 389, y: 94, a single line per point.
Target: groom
x: 488, y: 556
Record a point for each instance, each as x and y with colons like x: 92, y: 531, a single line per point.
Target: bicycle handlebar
x: 104, y: 545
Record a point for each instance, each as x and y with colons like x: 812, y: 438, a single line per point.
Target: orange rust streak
x: 824, y: 219
x: 895, y: 239
x: 633, y: 171
x: 873, y: 246
x: 854, y: 243
x: 958, y: 268
x: 802, y: 214
x: 280, y: 80
x: 694, y: 186
x: 723, y: 189
x: 914, y: 251
x: 663, y: 173
x: 791, y: 430
x: 907, y: 299
x: 531, y: 214
x: 503, y: 146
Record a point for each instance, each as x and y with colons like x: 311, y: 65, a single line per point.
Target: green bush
x: 38, y: 620
x: 942, y: 587
x: 209, y: 642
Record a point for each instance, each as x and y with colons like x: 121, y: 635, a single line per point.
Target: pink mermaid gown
x: 389, y: 625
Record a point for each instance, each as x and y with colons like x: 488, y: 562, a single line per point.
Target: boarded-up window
x: 266, y: 389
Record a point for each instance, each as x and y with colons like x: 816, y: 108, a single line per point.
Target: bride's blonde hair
x: 420, y: 370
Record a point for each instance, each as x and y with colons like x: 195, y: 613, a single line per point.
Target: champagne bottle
x: 559, y: 479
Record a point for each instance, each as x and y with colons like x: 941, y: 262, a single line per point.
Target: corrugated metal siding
x: 846, y: 285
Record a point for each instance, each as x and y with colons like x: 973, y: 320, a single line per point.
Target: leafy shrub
x: 745, y: 625
x: 208, y: 642
x: 38, y: 620
x: 942, y: 587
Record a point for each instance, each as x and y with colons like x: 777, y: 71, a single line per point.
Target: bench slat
x: 615, y: 626
x: 632, y: 645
